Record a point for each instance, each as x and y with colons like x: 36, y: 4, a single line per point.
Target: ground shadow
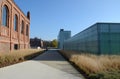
x: 50, y: 55
x: 54, y: 59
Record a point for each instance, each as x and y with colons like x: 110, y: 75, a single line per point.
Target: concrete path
x: 53, y: 59
x: 49, y: 65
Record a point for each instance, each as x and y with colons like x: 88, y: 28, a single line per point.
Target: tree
x: 54, y: 43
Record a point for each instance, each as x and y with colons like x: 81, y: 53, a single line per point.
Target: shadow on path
x: 53, y: 59
x: 50, y: 55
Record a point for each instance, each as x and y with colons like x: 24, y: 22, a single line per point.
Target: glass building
x: 100, y: 38
x: 63, y: 35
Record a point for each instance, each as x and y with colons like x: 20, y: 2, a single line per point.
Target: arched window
x: 5, y: 14
x: 27, y: 30
x: 16, y: 22
x: 22, y: 27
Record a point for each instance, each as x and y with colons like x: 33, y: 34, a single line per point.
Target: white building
x: 63, y: 35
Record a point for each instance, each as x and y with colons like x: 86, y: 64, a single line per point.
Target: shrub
x: 96, y: 67
x: 106, y: 75
x: 17, y: 56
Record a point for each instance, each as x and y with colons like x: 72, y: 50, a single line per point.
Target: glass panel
x: 105, y: 47
x: 4, y: 15
x: 15, y: 23
x: 104, y: 27
x: 84, y: 41
x: 115, y: 28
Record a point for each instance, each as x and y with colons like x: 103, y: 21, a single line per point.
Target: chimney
x: 28, y: 15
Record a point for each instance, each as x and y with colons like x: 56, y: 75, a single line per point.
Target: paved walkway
x: 49, y: 65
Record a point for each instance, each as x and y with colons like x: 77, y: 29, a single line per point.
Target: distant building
x: 47, y: 44
x: 36, y: 42
x: 14, y: 27
x: 63, y: 35
x: 100, y: 38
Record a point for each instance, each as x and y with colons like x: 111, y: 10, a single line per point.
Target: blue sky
x: 49, y: 16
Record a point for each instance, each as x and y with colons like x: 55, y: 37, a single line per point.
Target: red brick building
x: 36, y: 42
x: 14, y: 27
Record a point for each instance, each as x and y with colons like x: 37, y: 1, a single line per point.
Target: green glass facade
x: 109, y: 34
x: 100, y: 38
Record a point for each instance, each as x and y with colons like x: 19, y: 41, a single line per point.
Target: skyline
x: 49, y: 16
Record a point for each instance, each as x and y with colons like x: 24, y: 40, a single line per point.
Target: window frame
x: 27, y: 30
x: 22, y: 27
x: 15, y: 22
x: 5, y: 16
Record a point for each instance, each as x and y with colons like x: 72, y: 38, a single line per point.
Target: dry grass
x: 17, y: 56
x: 92, y: 64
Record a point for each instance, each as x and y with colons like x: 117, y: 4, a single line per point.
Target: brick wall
x: 4, y: 47
x: 8, y: 36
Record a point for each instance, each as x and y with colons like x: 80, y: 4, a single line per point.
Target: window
x: 27, y: 30
x: 5, y: 15
x: 22, y: 27
x: 16, y: 22
x: 16, y: 46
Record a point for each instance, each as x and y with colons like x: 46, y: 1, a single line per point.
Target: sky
x: 49, y: 16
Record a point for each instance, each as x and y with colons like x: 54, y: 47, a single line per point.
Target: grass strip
x: 17, y: 56
x: 94, y: 66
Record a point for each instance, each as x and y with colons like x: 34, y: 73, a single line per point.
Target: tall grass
x: 93, y: 64
x: 17, y: 56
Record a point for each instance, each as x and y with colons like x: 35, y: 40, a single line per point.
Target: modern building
x: 14, y: 27
x: 63, y: 35
x: 100, y: 38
